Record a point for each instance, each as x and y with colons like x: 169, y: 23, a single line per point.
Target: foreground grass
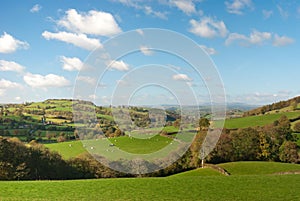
x: 258, y: 168
x: 199, y: 172
x: 264, y: 187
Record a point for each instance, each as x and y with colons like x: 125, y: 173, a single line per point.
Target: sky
x: 44, y: 46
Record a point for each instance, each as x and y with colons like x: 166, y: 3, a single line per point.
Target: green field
x: 260, y: 120
x: 258, y: 168
x: 67, y: 149
x: 199, y: 172
x: 124, y: 143
x: 261, y: 187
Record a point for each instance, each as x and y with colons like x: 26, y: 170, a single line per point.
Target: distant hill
x: 281, y: 106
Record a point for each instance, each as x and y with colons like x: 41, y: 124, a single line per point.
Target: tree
x: 203, y: 123
x: 264, y: 146
x: 288, y: 152
x: 297, y: 127
x: 246, y: 145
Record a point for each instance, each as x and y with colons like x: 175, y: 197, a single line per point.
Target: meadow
x: 200, y: 184
x: 259, y: 120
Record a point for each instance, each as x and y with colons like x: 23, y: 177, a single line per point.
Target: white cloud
x: 17, y: 98
x: 9, y: 44
x: 71, y: 63
x: 11, y: 66
x: 118, y: 65
x: 282, y: 40
x: 79, y: 40
x: 267, y: 13
x: 149, y: 11
x: 209, y: 50
x: 50, y: 80
x: 258, y: 38
x: 237, y: 6
x: 187, y: 6
x: 87, y: 79
x: 208, y: 28
x: 36, y: 8
x: 182, y: 77
x: 255, y: 38
x: 94, y: 22
x: 6, y: 84
x: 146, y: 50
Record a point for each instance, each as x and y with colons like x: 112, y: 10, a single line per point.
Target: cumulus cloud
x: 36, y: 8
x: 9, y: 44
x: 6, y: 84
x: 187, y: 6
x: 237, y: 6
x: 209, y: 50
x: 182, y: 77
x: 11, y: 66
x: 146, y: 50
x: 94, y: 22
x: 71, y: 63
x: 118, y: 65
x: 208, y: 28
x: 79, y: 40
x: 50, y: 80
x: 255, y: 38
x: 282, y: 40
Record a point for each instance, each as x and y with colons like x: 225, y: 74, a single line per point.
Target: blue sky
x: 254, y: 44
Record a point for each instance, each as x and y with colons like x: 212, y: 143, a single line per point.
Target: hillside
x: 201, y: 184
x: 52, y: 120
x: 282, y: 106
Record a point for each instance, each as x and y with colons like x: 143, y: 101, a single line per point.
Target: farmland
x: 201, y: 184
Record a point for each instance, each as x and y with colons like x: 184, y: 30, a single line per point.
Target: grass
x: 199, y: 172
x: 122, y: 144
x: 67, y: 149
x: 260, y: 120
x: 258, y: 168
x: 141, y: 146
x: 264, y: 187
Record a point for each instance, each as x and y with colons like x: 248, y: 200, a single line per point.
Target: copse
x: 30, y: 162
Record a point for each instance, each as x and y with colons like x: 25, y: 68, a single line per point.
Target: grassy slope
x: 180, y: 188
x: 131, y: 145
x: 261, y: 120
x: 67, y: 151
x: 198, y: 172
x: 258, y: 168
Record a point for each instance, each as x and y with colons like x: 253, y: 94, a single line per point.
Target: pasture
x: 254, y: 187
x: 259, y: 120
